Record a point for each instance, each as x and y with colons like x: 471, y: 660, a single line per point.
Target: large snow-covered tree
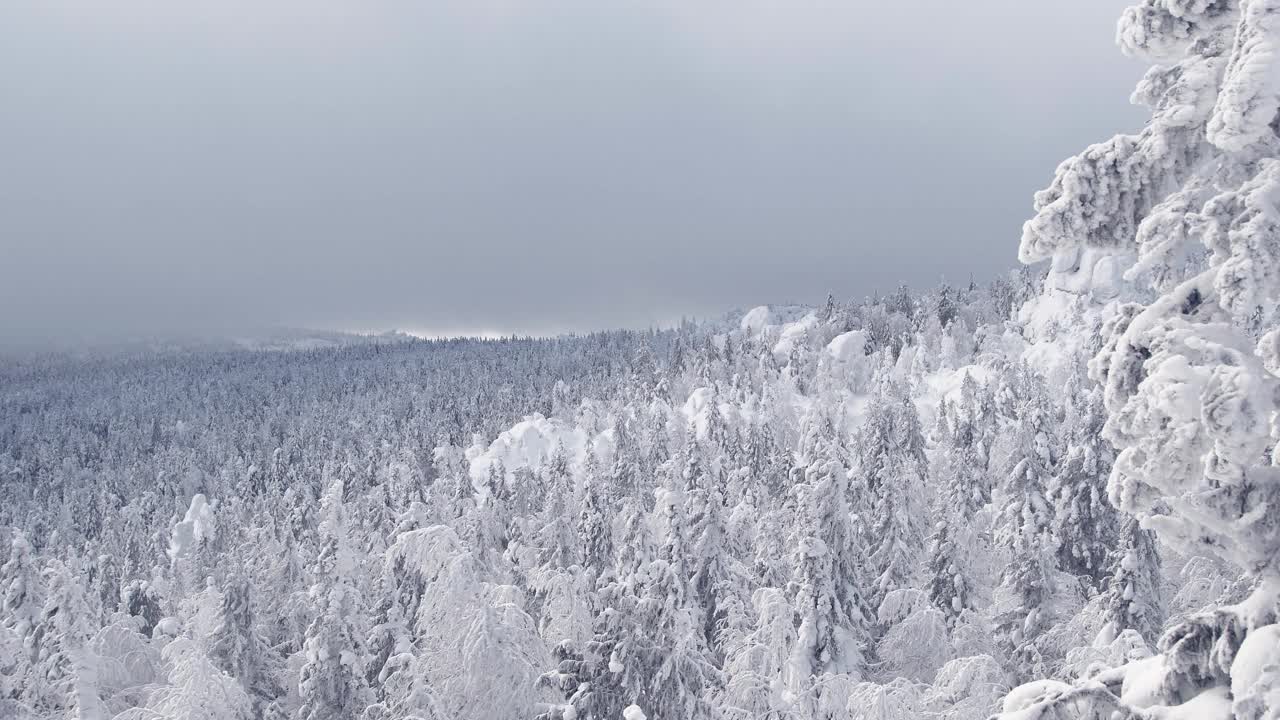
x: 833, y: 623
x: 890, y: 468
x: 64, y: 672
x: 333, y: 683
x: 1190, y: 376
x: 237, y: 647
x: 1133, y: 594
x: 1084, y: 523
x: 1024, y: 529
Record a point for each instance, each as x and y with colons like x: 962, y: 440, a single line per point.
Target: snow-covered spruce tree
x: 765, y: 461
x: 595, y: 535
x: 756, y: 663
x: 105, y: 579
x: 961, y: 466
x: 427, y: 576
x: 623, y: 478
x: 834, y: 629
x: 63, y: 677
x: 717, y: 577
x: 555, y: 538
x: 237, y: 648
x: 1024, y: 527
x: 948, y: 587
x: 1133, y: 595
x: 667, y: 662
x: 569, y: 679
x: 20, y: 588
x: 500, y: 650
x: 141, y: 599
x: 648, y: 646
x: 635, y: 545
x: 594, y: 682
x: 891, y: 466
x: 332, y: 683
x: 1085, y: 524
x: 1191, y: 377
x: 673, y: 664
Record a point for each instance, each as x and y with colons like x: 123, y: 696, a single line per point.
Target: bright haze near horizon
x: 494, y: 166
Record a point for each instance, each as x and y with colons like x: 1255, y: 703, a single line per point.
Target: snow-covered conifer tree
x: 1025, y: 523
x: 595, y: 535
x: 757, y: 662
x: 237, y: 648
x: 960, y: 465
x: 333, y: 681
x: 717, y: 579
x: 64, y: 672
x: 833, y: 625
x: 1191, y: 377
x: 20, y: 588
x: 891, y: 466
x: 555, y: 538
x: 197, y: 689
x: 1133, y: 593
x: 1084, y: 522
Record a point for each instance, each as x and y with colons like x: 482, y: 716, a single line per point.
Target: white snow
x: 195, y: 527
x: 850, y: 346
x: 169, y: 626
x: 697, y: 411
x: 530, y: 444
x: 1258, y: 655
x: 756, y: 319
x: 793, y: 333
x: 1212, y: 704
x: 1028, y: 695
x: 1143, y: 682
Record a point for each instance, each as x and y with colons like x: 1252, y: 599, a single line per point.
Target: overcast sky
x: 535, y: 166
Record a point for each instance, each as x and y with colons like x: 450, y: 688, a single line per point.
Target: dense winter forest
x: 1053, y: 495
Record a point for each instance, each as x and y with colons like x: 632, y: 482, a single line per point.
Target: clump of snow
x: 196, y: 526
x: 899, y: 604
x: 633, y: 712
x: 1212, y: 704
x: 792, y: 334
x: 1255, y: 673
x: 1031, y: 694
x: 1144, y: 682
x: 530, y: 445
x: 945, y: 383
x: 850, y: 346
x: 1087, y: 272
x: 167, y: 627
x: 756, y: 319
x: 697, y: 411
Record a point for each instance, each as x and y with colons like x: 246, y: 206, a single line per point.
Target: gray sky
x: 539, y: 165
